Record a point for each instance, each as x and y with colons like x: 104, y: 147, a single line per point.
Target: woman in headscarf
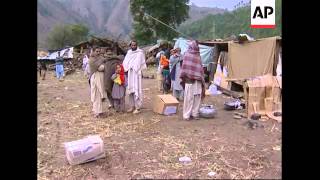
x: 192, y: 79
x: 111, y: 60
x: 98, y: 94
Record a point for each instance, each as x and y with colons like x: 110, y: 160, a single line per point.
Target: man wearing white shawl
x: 133, y: 63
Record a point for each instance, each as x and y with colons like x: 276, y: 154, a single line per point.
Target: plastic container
x: 207, y: 111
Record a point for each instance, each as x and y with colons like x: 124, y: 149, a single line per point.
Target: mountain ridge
x: 110, y: 18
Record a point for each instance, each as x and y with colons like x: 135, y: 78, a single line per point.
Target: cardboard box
x: 265, y: 91
x: 165, y: 104
x: 84, y: 150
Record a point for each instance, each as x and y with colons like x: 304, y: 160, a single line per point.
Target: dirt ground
x: 148, y: 145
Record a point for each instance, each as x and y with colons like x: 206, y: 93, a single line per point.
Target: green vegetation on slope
x: 230, y: 23
x: 67, y: 35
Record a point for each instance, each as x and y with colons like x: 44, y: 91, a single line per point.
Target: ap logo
x: 263, y: 14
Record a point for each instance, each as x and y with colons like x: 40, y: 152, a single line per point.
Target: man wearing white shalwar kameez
x: 133, y: 64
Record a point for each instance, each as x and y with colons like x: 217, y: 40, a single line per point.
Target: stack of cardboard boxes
x: 263, y: 95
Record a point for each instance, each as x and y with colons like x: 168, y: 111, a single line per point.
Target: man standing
x: 98, y: 94
x: 176, y: 63
x: 133, y: 63
x: 192, y: 77
x: 111, y: 60
x: 43, y: 69
x: 59, y: 67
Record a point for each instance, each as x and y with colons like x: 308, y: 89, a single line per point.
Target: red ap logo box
x: 263, y: 14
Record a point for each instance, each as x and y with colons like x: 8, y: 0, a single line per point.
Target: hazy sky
x: 229, y: 4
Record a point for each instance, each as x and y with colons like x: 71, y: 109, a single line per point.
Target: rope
x: 168, y: 26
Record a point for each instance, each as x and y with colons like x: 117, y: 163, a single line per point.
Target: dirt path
x: 148, y: 145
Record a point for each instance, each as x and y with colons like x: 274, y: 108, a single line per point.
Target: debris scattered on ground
x: 207, y: 142
x: 253, y: 124
x: 211, y: 174
x: 119, y: 47
x: 255, y: 116
x: 233, y: 104
x: 277, y: 114
x: 148, y: 77
x: 75, y: 106
x: 243, y: 115
x: 276, y: 148
x: 185, y: 159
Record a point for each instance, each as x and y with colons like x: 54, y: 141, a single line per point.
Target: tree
x: 170, y: 12
x: 67, y: 35
x: 231, y: 23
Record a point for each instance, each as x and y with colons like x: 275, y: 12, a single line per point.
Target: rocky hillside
x: 103, y: 17
x: 197, y: 13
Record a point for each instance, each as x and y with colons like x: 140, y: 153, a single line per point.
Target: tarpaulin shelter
x: 206, y: 52
x: 248, y: 59
x: 253, y: 58
x: 66, y: 53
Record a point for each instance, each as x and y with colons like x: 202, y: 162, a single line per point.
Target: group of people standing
x: 184, y: 75
x: 59, y: 68
x: 169, y: 68
x: 111, y: 78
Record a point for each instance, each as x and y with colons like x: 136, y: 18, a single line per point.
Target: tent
x: 206, y: 52
x: 253, y: 66
x: 248, y: 59
x: 251, y: 59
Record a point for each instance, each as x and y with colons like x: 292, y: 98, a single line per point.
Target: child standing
x: 59, y: 67
x: 166, y: 82
x: 119, y: 88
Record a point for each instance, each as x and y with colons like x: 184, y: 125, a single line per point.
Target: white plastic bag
x: 214, y: 90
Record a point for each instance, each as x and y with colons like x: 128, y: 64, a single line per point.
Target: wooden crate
x: 265, y: 91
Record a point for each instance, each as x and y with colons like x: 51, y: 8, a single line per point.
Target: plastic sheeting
x: 206, y: 52
x: 279, y: 66
x: 213, y: 89
x: 251, y: 59
x: 66, y: 53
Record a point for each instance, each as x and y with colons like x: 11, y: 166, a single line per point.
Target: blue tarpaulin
x: 206, y: 52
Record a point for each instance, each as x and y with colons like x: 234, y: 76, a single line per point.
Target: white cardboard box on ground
x: 84, y: 150
x: 165, y: 104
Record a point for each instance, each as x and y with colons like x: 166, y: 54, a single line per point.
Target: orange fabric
x: 164, y: 61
